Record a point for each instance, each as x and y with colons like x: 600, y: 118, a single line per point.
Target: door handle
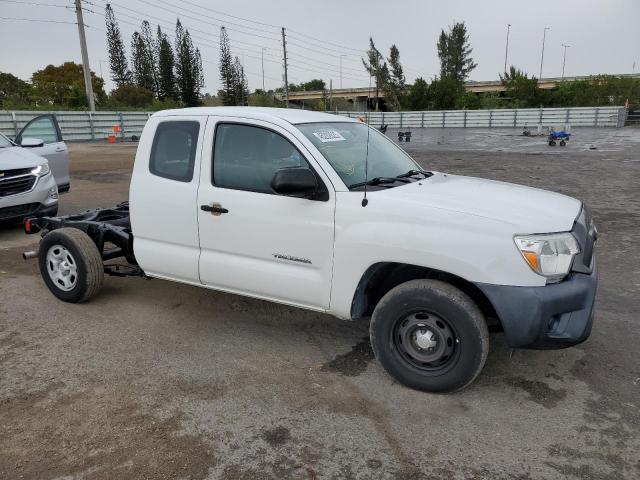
x: 215, y: 209
x: 60, y: 149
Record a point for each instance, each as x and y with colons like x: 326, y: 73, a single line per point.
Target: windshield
x: 344, y: 145
x: 5, y: 142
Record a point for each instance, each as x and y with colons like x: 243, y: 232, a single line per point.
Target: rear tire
x: 71, y: 265
x: 429, y: 336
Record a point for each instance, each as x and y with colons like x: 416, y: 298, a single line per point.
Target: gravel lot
x: 159, y: 380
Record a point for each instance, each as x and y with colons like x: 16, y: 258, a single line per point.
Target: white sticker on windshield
x: 328, y: 136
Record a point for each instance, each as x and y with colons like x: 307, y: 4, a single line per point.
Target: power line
x: 229, y: 15
x: 181, y: 14
x: 360, y: 51
x: 38, y: 4
x: 168, y: 24
x: 35, y: 20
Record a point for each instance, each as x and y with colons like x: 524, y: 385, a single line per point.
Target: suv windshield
x: 5, y: 142
x: 344, y: 145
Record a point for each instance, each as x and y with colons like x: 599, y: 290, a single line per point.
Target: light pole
x: 343, y: 55
x: 263, y: 49
x: 506, y: 50
x: 564, y: 57
x: 544, y: 37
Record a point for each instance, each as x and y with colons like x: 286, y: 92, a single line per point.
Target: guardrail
x: 514, y: 118
x: 98, y: 125
x: 79, y: 125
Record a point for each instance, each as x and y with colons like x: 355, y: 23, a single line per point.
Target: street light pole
x: 343, y: 55
x: 263, y: 49
x: 506, y: 50
x: 544, y: 37
x: 564, y: 57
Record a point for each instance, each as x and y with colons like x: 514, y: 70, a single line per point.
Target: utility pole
x: 88, y: 89
x: 263, y: 48
x: 564, y: 57
x: 506, y: 50
x: 330, y: 95
x: 544, y: 37
x: 342, y: 55
x: 286, y: 79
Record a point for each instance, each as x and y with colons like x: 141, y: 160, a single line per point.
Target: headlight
x: 549, y: 255
x: 41, y: 170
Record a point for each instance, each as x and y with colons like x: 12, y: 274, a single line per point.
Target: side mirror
x: 295, y: 182
x: 29, y: 142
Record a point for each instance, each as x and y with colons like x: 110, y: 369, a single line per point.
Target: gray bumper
x: 554, y: 316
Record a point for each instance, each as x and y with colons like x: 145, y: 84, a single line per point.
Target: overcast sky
x: 603, y: 35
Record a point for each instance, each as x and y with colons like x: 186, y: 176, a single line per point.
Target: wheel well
x: 382, y: 277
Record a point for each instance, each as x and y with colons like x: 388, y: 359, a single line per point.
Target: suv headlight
x: 549, y: 255
x: 41, y: 170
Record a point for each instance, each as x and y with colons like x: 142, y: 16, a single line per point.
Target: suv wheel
x: 429, y: 336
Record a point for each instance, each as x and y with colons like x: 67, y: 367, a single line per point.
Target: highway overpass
x: 359, y: 95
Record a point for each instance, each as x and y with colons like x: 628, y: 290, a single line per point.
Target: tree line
x: 159, y: 71
x: 447, y: 91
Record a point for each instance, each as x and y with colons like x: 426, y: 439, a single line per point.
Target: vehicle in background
x: 325, y: 213
x: 34, y: 169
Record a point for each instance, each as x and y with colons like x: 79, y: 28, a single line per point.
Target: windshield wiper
x: 411, y: 173
x: 378, y: 181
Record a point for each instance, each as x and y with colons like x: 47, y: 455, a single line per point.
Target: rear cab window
x: 173, y: 151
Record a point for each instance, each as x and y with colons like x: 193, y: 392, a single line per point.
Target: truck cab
x: 326, y: 213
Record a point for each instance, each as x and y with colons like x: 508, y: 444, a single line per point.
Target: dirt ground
x: 158, y: 380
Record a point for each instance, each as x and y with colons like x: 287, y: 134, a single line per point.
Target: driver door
x: 46, y: 128
x: 260, y: 243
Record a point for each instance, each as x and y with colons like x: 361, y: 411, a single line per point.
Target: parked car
x: 34, y: 169
x: 324, y: 213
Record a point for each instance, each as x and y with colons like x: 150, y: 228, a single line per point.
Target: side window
x: 42, y: 128
x: 246, y: 157
x: 174, y: 150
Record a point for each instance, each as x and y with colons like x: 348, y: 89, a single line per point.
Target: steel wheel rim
x: 62, y: 268
x: 425, y: 341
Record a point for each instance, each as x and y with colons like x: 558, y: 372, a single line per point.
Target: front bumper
x: 37, y: 201
x: 554, y: 316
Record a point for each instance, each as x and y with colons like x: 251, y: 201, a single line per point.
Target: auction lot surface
x: 159, y: 380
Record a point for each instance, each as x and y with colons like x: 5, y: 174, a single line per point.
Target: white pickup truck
x: 325, y: 213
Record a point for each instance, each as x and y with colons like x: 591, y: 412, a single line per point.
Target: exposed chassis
x: 103, y: 226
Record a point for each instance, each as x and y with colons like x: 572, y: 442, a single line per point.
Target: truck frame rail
x: 104, y: 226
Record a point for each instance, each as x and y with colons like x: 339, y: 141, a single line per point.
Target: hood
x: 18, y: 157
x: 525, y: 209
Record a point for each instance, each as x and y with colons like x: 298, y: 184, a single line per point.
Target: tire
x: 453, y: 338
x: 70, y: 265
x: 562, y: 143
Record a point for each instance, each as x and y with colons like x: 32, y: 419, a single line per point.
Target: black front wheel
x: 430, y: 336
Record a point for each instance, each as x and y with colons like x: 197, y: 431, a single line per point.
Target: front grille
x: 14, y: 172
x: 18, y: 210
x: 15, y: 185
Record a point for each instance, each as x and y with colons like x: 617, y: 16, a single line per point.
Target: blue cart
x: 555, y: 136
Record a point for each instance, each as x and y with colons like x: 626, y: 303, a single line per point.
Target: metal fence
x: 556, y: 117
x: 98, y: 125
x: 79, y: 125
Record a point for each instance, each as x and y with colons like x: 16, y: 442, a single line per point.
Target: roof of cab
x: 291, y: 115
